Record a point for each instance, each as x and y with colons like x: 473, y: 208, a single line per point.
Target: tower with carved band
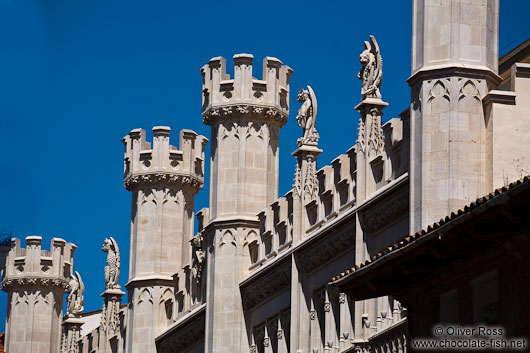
x: 454, y: 66
x: 36, y: 281
x: 245, y: 115
x: 163, y: 181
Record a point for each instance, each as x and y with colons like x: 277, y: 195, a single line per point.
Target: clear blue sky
x: 76, y: 76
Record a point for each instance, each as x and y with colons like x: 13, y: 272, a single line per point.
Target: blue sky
x: 76, y: 76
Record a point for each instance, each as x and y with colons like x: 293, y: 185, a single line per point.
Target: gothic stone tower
x: 245, y: 115
x: 36, y: 281
x: 454, y: 65
x: 163, y: 181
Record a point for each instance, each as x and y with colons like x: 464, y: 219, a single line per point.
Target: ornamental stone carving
x: 306, y: 117
x: 199, y: 257
x: 384, y: 214
x: 263, y: 289
x: 157, y: 178
x: 327, y: 250
x: 246, y: 110
x: 34, y: 280
x: 371, y: 72
x: 76, y: 298
x: 187, y: 336
x: 112, y: 270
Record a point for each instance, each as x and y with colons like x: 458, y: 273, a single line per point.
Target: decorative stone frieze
x: 268, y: 114
x: 139, y: 180
x: 268, y: 286
x: 187, y: 335
x: 325, y: 251
x: 25, y: 281
x: 383, y: 214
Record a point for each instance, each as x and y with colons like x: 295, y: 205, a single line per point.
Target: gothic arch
x: 227, y: 237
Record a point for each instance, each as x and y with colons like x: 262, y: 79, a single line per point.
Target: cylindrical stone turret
x: 36, y: 281
x: 245, y: 115
x: 163, y: 181
x: 454, y: 66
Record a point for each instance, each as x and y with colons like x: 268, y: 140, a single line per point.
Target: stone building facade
x: 260, y: 273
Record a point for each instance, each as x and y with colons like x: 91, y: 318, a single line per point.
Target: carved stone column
x: 369, y: 149
x: 109, y: 331
x: 370, y: 146
x: 71, y: 334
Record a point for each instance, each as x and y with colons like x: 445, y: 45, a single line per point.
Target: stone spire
x: 36, y: 281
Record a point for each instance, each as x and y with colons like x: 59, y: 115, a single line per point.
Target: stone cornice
x: 140, y: 281
x: 28, y: 282
x: 327, y: 249
x: 158, y: 177
x: 227, y: 222
x: 268, y: 286
x: 183, y: 334
x: 261, y: 112
x: 386, y: 212
x: 433, y: 72
x: 501, y: 97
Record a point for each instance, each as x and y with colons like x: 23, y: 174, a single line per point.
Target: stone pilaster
x: 110, y: 326
x: 370, y: 147
x: 71, y: 334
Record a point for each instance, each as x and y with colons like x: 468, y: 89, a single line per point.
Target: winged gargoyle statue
x: 306, y: 116
x: 371, y: 72
x: 112, y: 270
x: 76, y: 297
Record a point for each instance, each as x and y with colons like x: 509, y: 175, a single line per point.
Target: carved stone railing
x: 390, y: 340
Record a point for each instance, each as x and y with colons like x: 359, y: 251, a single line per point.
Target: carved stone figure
x: 307, y: 115
x: 199, y: 258
x: 371, y: 72
x: 76, y: 298
x: 112, y: 270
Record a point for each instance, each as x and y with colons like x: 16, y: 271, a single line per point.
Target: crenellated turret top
x: 244, y: 95
x: 161, y: 162
x: 34, y: 266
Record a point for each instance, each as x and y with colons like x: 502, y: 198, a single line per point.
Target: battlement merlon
x: 32, y: 265
x: 146, y: 163
x: 243, y: 94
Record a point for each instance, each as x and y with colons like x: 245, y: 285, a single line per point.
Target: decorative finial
x: 112, y: 270
x: 371, y: 72
x: 76, y: 298
x: 306, y: 117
